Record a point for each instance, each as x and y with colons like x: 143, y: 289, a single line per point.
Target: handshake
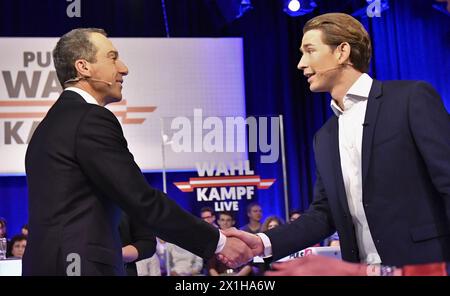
x: 240, y: 247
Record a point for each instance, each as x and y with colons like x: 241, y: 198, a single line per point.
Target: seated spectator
x: 16, y: 247
x: 254, y: 214
x: 271, y: 222
x: 207, y: 214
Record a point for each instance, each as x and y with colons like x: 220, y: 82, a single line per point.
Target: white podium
x: 334, y: 252
x: 11, y: 267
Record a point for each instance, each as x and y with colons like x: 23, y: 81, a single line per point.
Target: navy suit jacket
x: 405, y: 175
x: 79, y: 172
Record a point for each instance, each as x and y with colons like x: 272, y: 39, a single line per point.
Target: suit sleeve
x: 430, y: 127
x: 102, y: 153
x: 312, y: 227
x: 143, y: 239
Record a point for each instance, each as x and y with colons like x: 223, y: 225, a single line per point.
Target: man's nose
x: 122, y: 68
x: 302, y: 64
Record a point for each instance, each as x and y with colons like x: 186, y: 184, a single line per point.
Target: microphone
x: 86, y: 78
x: 365, y: 124
x: 99, y: 80
x: 322, y: 72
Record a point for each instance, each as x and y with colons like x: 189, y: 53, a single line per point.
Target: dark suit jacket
x: 79, y: 171
x: 405, y: 175
x: 139, y: 236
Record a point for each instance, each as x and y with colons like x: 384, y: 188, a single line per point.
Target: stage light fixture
x: 443, y: 7
x: 299, y: 7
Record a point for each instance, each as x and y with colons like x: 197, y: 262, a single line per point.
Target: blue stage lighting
x: 232, y: 9
x: 299, y: 7
x: 443, y: 7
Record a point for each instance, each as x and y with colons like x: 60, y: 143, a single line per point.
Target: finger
x: 224, y: 260
x: 231, y: 231
x: 224, y: 231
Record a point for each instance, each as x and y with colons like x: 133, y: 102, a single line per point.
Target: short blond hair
x: 337, y: 28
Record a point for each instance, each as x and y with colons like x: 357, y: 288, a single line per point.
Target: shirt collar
x: 359, y: 91
x: 86, y: 96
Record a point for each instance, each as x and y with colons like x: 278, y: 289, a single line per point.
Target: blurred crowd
x: 146, y: 255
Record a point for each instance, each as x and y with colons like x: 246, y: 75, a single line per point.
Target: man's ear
x: 343, y: 53
x: 83, y: 68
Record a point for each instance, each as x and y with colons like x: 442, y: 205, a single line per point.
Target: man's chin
x: 316, y: 88
x: 113, y: 99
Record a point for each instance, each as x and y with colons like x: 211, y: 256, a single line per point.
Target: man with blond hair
x: 383, y: 165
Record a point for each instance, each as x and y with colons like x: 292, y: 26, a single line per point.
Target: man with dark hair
x: 207, y: 214
x: 80, y: 171
x: 383, y: 165
x: 17, y: 245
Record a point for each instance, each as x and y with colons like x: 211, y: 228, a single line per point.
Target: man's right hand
x: 252, y: 241
x: 236, y: 253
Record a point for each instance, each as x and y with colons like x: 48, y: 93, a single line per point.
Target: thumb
x: 230, y: 231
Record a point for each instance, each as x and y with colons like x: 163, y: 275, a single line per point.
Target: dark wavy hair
x: 15, y: 239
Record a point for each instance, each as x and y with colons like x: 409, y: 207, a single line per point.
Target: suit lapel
x: 373, y: 105
x: 336, y: 163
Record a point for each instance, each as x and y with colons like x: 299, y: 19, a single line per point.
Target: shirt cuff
x: 267, y: 244
x: 221, y: 243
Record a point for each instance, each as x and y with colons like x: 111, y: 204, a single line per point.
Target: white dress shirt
x: 351, y: 121
x: 86, y: 96
x: 350, y: 143
x: 91, y: 100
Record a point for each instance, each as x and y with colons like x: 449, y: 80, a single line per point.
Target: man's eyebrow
x: 305, y: 46
x: 113, y: 53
